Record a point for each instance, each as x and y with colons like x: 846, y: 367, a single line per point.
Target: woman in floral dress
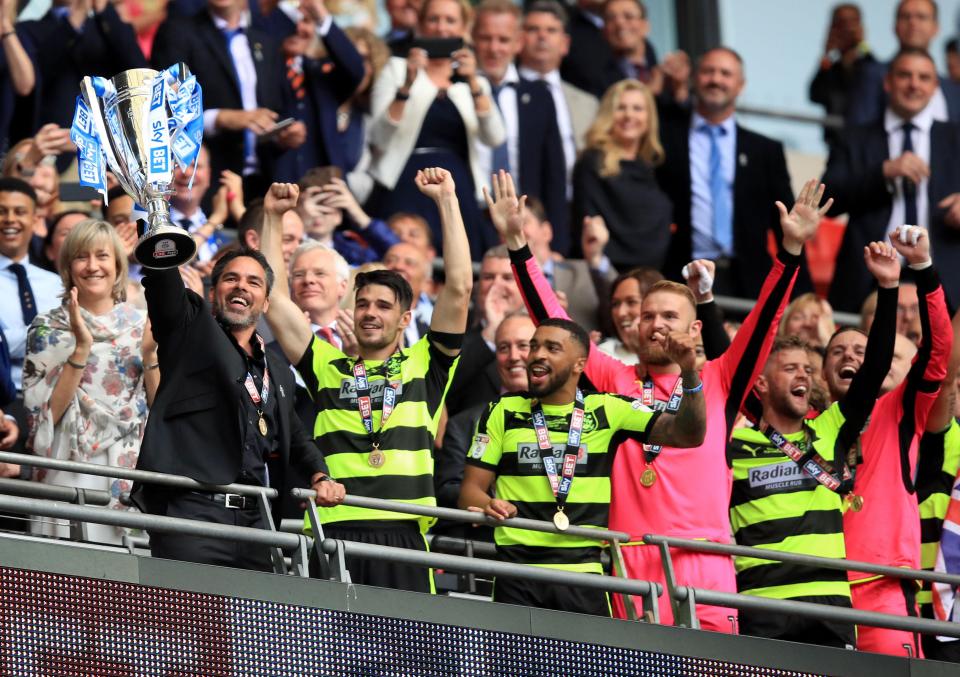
x: 90, y: 372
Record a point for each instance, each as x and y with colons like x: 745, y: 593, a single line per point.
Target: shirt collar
x: 592, y: 18
x: 511, y: 76
x: 221, y: 23
x: 552, y: 78
x: 5, y: 262
x: 922, y: 120
x: 697, y: 122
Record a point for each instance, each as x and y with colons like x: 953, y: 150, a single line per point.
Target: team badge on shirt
x: 480, y: 442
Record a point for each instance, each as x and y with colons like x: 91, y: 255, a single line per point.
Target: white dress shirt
x: 564, y: 122
x: 920, y: 136
x: 47, y: 288
x: 507, y: 103
x: 242, y: 58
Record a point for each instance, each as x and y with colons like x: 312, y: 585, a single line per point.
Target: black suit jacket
x: 854, y: 178
x: 329, y: 82
x: 590, y: 64
x: 105, y: 46
x: 542, y: 166
x: 197, y: 41
x: 476, y: 379
x: 760, y: 179
x: 194, y: 427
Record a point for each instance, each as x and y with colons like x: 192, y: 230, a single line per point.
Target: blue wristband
x: 691, y: 391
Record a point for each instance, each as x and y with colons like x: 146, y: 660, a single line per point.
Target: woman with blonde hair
x: 809, y: 317
x: 614, y: 178
x: 90, y: 371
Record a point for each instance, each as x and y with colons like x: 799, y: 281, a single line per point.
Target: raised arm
x: 943, y: 408
x: 749, y: 349
x: 884, y: 265
x: 688, y: 427
x: 450, y: 310
x: 286, y: 320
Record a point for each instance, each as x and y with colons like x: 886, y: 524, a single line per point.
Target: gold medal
x: 856, y: 503
x: 376, y: 458
x: 560, y: 520
x: 648, y: 478
x: 262, y: 425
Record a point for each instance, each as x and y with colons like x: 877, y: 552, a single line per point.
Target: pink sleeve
x: 542, y: 303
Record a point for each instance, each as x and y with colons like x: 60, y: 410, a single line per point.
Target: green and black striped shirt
x: 421, y: 375
x: 506, y: 443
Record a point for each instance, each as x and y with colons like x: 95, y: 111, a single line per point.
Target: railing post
x: 469, y: 578
x: 300, y: 558
x: 684, y: 611
x: 338, y: 563
x: 323, y: 562
x: 620, y: 569
x: 276, y: 554
x: 78, y: 528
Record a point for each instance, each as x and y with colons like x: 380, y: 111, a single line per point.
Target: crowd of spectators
x: 358, y: 144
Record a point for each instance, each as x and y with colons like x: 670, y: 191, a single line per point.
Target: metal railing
x: 332, y: 553
x: 744, y: 306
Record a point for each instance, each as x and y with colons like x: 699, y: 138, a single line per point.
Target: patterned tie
x: 909, y: 187
x: 295, y: 78
x: 501, y: 156
x: 720, y: 194
x: 28, y: 305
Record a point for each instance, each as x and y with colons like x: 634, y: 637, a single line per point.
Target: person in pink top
x: 679, y: 492
x: 882, y: 521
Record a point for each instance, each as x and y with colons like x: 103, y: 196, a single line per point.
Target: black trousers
x: 797, y: 629
x: 219, y: 551
x: 400, y: 534
x: 549, y: 596
x: 933, y: 648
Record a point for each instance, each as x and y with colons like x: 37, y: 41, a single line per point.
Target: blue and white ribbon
x: 91, y: 161
x: 159, y: 170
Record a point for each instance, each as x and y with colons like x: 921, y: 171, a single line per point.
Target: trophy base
x: 165, y: 247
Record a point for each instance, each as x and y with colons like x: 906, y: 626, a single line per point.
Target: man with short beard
x: 378, y: 413
x: 789, y: 473
x: 886, y: 458
x: 572, y: 437
x: 680, y: 492
x: 223, y: 412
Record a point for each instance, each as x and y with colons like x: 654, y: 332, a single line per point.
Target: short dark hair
x: 952, y: 46
x: 11, y: 184
x: 115, y: 193
x: 577, y: 333
x: 842, y: 330
x: 535, y: 206
x: 551, y: 7
x: 911, y: 51
x: 318, y: 177
x: 723, y: 48
x: 390, y: 279
x: 224, y: 260
x: 252, y: 219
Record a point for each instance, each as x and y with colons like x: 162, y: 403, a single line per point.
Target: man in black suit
x: 902, y: 170
x: 590, y: 64
x: 77, y: 38
x: 916, y: 25
x: 241, y: 71
x: 223, y: 412
x: 317, y: 88
x: 723, y: 181
x: 533, y: 151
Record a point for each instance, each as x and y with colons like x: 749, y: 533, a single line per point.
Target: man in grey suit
x: 545, y: 43
x: 583, y: 283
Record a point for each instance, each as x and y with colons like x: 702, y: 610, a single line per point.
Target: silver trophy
x: 123, y: 112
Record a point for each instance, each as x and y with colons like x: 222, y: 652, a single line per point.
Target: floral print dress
x: 104, y: 421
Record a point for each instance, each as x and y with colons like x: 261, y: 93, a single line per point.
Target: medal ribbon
x: 365, y: 403
x: 263, y: 396
x: 812, y: 463
x: 651, y: 451
x: 561, y: 482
